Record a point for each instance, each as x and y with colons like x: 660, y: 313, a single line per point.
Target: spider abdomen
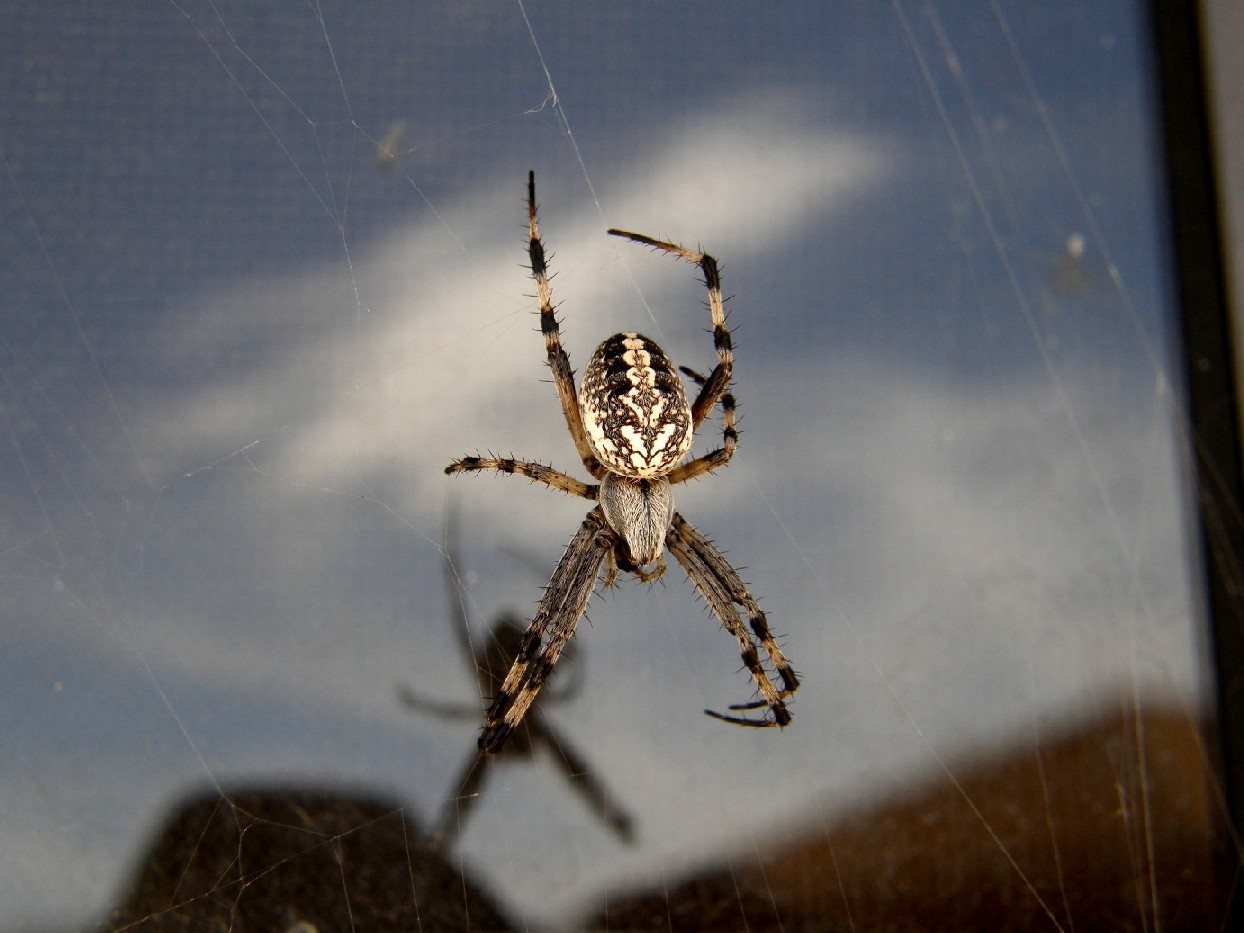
x: 634, y: 408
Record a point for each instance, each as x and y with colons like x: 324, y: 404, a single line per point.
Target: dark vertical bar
x: 1210, y: 379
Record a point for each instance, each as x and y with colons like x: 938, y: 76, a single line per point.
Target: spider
x: 632, y: 427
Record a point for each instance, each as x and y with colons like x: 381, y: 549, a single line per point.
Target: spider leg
x: 579, y: 774
x: 693, y: 375
x: 559, y: 362
x: 564, y: 602
x: 723, y: 588
x: 536, y: 472
x: 414, y: 701
x: 462, y: 630
x: 455, y: 591
x: 457, y: 808
x: 714, y: 459
x: 718, y: 381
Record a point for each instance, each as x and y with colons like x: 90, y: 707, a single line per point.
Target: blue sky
x: 239, y: 348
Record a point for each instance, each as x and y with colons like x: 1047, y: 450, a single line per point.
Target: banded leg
x: 559, y: 362
x: 714, y: 459
x: 564, y: 602
x: 536, y: 472
x: 722, y: 588
x: 713, y: 388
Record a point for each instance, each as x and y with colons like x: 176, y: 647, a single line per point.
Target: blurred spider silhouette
x: 490, y: 659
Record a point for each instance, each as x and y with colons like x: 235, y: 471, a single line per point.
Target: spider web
x: 264, y: 279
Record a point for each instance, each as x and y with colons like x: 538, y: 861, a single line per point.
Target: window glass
x: 266, y: 275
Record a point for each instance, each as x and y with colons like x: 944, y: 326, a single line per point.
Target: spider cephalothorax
x: 633, y: 428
